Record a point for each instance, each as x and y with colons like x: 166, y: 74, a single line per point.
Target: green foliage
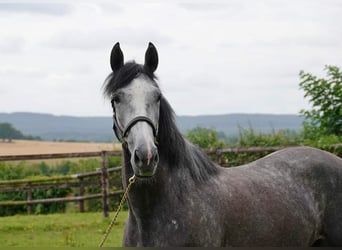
x: 50, y: 193
x: 209, y: 138
x: 204, y: 138
x: 7, y: 131
x: 325, y: 96
x: 10, y: 172
x: 251, y: 138
x: 21, y: 170
x: 331, y: 143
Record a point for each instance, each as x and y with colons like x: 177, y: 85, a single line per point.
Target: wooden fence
x: 70, y: 181
x: 78, y: 180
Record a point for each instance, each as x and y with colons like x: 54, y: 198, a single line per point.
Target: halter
x: 122, y: 134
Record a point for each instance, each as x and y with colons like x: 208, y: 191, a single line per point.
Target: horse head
x: 135, y: 98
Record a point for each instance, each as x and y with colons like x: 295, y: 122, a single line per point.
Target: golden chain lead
x: 123, y: 199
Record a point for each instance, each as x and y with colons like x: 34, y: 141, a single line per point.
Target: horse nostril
x: 145, y: 159
x: 155, y: 156
x: 138, y: 157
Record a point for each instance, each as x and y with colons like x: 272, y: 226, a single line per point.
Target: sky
x: 215, y: 57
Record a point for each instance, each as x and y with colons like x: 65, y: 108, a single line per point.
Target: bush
x: 325, y: 96
x: 204, y: 138
x: 251, y: 138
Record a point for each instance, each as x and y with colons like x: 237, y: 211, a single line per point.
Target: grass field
x: 20, y: 147
x: 59, y: 230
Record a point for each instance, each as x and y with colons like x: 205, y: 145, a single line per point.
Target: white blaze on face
x: 142, y: 102
x: 138, y: 93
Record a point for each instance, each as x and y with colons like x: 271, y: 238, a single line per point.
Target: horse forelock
x: 125, y: 75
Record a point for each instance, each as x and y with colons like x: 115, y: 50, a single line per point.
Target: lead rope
x: 123, y: 199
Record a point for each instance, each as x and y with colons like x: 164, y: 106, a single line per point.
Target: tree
x: 7, y: 131
x: 204, y: 138
x: 325, y: 96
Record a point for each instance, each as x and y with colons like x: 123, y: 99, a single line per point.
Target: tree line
x: 9, y: 132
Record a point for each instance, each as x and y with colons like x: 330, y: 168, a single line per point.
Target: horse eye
x: 116, y: 99
x: 159, y: 97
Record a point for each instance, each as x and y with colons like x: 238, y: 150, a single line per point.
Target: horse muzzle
x: 144, y: 161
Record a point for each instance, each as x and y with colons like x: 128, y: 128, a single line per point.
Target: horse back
x: 290, y: 197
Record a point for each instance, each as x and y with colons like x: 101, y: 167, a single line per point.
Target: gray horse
x: 181, y: 198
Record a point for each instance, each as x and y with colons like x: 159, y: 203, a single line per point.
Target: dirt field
x: 20, y: 147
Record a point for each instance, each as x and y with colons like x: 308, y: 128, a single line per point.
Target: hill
x: 230, y: 123
x: 50, y: 127
x: 99, y: 129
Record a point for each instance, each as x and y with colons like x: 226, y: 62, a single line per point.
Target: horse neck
x: 189, y: 170
x: 178, y: 153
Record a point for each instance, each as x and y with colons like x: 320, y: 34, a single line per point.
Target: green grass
x: 60, y: 230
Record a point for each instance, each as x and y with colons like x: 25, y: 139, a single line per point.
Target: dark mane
x: 172, y: 147
x: 177, y: 151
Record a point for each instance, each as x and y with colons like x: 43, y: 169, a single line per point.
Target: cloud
x: 102, y: 38
x: 55, y: 9
x: 110, y: 7
x: 139, y: 37
x: 12, y: 45
x: 215, y: 56
x: 75, y: 39
x: 211, y: 6
x: 11, y: 72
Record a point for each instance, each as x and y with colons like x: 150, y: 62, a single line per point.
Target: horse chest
x: 190, y: 225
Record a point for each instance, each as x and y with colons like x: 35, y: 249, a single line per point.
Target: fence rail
x: 78, y: 180
x: 56, y: 200
x: 75, y: 181
x: 244, y: 150
x: 57, y: 155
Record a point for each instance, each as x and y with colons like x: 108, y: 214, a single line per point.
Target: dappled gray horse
x: 181, y: 198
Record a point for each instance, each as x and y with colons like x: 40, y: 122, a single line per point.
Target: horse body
x: 286, y: 199
x: 292, y: 197
x: 269, y: 202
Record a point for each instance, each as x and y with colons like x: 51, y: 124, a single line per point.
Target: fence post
x: 104, y: 184
x: 81, y: 194
x: 220, y: 158
x: 29, y: 198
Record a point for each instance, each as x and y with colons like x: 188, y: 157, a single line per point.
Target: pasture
x: 68, y: 230
x: 59, y: 230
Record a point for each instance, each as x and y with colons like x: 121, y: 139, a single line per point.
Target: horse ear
x: 116, y: 58
x: 151, y: 58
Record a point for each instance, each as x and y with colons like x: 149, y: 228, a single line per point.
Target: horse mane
x: 172, y: 147
x: 177, y: 151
